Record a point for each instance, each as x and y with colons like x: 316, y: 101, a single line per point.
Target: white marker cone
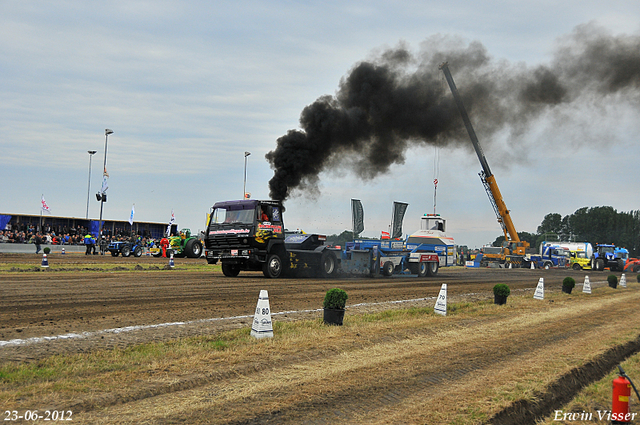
x: 623, y: 281
x: 45, y: 262
x: 510, y: 265
x: 171, y: 263
x: 441, y: 302
x: 262, y: 326
x: 62, y: 250
x: 586, y: 286
x: 532, y: 266
x: 539, y: 294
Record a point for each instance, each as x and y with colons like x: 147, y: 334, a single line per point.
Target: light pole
x: 107, y: 132
x: 244, y: 189
x: 91, y: 153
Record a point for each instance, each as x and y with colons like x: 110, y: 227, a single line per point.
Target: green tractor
x: 182, y: 245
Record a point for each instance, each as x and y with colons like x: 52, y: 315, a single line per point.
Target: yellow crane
x: 516, y: 249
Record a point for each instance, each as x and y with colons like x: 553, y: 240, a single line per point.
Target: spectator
x: 38, y: 241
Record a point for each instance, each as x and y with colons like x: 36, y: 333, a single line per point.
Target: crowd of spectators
x: 58, y: 235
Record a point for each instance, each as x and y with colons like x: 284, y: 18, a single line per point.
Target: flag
x: 171, y: 223
x: 45, y: 207
x: 357, y: 215
x: 384, y: 235
x: 399, y: 208
x: 133, y: 211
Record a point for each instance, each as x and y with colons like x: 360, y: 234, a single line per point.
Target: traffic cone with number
x: 171, y: 263
x: 45, y: 262
x: 62, y: 250
x: 262, y: 326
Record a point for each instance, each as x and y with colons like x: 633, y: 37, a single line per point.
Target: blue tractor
x: 606, y: 255
x: 125, y: 248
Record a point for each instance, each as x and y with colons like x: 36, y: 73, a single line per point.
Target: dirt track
x: 51, y: 303
x: 388, y: 381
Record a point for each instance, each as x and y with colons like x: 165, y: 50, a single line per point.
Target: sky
x: 188, y: 87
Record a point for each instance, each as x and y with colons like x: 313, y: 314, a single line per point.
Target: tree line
x: 595, y: 225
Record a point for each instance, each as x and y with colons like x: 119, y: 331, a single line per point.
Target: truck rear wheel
x: 137, y: 252
x: 387, y: 268
x: 126, y: 250
x: 422, y: 269
x: 328, y: 264
x: 230, y: 270
x: 274, y: 267
x: 432, y: 269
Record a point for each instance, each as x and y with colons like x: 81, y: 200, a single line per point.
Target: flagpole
x: 107, y: 132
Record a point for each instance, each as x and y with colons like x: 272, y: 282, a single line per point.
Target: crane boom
x: 488, y: 179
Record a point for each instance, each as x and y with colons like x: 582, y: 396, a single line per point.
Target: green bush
x: 501, y: 290
x: 46, y: 250
x: 569, y: 282
x: 335, y: 298
x: 612, y: 279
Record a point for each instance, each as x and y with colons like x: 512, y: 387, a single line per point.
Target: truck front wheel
x: 273, y: 267
x: 230, y: 270
x: 576, y: 266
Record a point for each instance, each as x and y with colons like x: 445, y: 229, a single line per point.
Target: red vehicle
x: 633, y: 265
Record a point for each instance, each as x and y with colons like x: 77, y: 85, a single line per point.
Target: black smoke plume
x: 400, y: 98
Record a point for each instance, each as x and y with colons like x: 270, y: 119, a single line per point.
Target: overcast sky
x: 188, y: 87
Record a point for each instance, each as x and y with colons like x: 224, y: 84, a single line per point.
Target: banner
x: 45, y: 207
x: 357, y: 215
x: 133, y: 211
x: 399, y: 208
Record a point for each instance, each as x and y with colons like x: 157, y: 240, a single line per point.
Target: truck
x: 607, y: 255
x: 249, y: 235
x: 550, y: 255
x: 579, y: 253
x: 514, y: 250
x: 422, y: 253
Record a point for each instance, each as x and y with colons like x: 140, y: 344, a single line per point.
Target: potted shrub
x: 613, y: 281
x: 500, y: 293
x: 568, y: 284
x: 46, y: 250
x: 334, y: 302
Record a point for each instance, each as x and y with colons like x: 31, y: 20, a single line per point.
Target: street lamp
x: 91, y: 153
x: 103, y: 198
x: 244, y: 189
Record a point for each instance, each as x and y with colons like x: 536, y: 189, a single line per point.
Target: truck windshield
x: 224, y: 216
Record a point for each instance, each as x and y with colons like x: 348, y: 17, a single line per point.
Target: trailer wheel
x: 328, y: 264
x: 273, y: 267
x: 576, y: 266
x: 423, y: 269
x: 387, y: 268
x: 230, y: 270
x: 432, y: 269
